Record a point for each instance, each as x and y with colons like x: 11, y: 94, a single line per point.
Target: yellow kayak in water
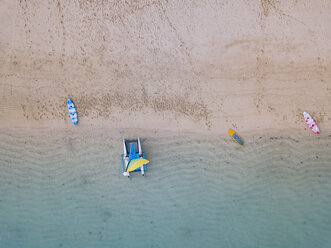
x: 236, y: 137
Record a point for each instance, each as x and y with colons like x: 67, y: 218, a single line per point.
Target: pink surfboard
x: 311, y: 123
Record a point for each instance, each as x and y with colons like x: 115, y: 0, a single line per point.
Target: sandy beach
x: 191, y: 66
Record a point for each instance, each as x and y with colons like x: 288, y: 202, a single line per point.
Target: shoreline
x: 127, y: 132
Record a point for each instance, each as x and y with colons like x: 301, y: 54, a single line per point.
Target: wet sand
x: 193, y: 66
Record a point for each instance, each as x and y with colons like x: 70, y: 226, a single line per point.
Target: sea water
x: 64, y: 188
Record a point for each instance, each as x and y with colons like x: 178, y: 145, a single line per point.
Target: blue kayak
x: 72, y: 111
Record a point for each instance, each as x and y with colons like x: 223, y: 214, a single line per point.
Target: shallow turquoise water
x: 60, y: 188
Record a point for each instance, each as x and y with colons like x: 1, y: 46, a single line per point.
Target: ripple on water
x: 62, y: 189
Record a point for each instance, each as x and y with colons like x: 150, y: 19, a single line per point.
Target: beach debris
x: 311, y: 123
x: 235, y: 136
x: 72, y: 111
x: 133, y: 158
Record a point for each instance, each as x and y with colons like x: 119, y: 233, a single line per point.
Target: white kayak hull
x: 311, y: 123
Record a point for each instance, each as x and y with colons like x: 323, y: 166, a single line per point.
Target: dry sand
x: 193, y: 66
